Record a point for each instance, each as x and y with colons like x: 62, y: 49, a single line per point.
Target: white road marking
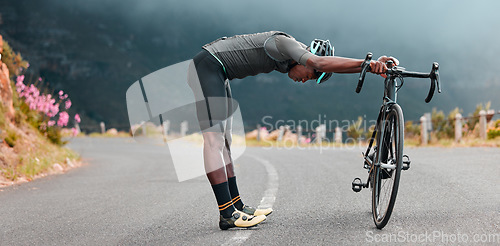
x: 272, y: 184
x: 240, y: 237
x: 267, y: 200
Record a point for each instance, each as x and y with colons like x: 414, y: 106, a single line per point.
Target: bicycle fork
x: 369, y: 161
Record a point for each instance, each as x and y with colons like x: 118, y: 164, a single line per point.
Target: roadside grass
x: 43, y: 159
x: 30, y: 154
x: 470, y: 141
x: 106, y: 135
x: 451, y: 143
x: 409, y: 142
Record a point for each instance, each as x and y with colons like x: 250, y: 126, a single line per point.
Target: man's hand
x: 380, y: 67
x: 385, y: 59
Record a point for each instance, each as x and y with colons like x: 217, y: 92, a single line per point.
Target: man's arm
x: 337, y: 64
x: 331, y: 64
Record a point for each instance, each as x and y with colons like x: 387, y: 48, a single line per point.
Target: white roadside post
x: 482, y: 124
x: 423, y: 130
x: 258, y: 132
x: 103, y: 128
x: 281, y: 133
x: 184, y: 128
x: 299, y: 134
x: 458, y: 128
x: 166, y: 128
x: 338, y: 135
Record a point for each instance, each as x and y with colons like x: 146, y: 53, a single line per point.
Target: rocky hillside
x: 25, y: 153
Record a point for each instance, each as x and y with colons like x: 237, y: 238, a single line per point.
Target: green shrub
x: 2, y: 116
x: 411, y: 130
x: 11, y: 138
x: 494, y: 132
x: 474, y: 118
x: 13, y: 60
x: 355, y: 131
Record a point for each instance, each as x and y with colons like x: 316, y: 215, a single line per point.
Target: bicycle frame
x: 390, y: 98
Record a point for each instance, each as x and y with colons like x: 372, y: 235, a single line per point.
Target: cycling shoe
x: 240, y: 219
x: 256, y: 211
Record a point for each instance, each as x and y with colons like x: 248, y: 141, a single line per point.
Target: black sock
x: 224, y: 201
x: 235, y: 195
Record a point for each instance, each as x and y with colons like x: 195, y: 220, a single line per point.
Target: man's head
x: 302, y: 73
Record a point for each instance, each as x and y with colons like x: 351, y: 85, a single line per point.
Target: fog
x: 461, y: 35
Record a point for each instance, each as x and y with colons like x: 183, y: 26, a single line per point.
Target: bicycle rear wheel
x: 390, y: 156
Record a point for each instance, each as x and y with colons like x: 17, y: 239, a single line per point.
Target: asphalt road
x: 128, y: 194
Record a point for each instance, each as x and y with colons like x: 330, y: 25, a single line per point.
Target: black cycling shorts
x: 214, y: 106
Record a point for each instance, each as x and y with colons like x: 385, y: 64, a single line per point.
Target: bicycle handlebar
x: 365, y: 66
x: 401, y: 72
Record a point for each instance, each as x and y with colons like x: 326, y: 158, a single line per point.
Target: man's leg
x: 211, y: 111
x: 214, y: 166
x: 233, y: 188
x: 231, y: 177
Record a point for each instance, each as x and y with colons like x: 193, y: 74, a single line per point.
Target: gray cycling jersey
x: 252, y: 54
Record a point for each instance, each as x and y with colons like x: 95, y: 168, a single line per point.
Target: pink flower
x: 44, y: 104
x: 33, y: 90
x: 77, y: 118
x: 74, y: 132
x: 51, y: 123
x: 20, y: 88
x: 39, y: 78
x: 67, y: 104
x: 63, y: 119
x: 62, y: 96
x: 20, y: 79
x: 54, y: 109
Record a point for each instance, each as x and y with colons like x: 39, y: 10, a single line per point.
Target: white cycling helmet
x: 322, y: 48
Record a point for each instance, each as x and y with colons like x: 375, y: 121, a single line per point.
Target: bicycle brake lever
x: 365, y: 66
x: 436, y: 74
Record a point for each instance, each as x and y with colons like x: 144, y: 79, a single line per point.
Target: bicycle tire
x: 386, y: 181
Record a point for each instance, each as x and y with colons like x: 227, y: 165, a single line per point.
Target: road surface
x: 128, y: 194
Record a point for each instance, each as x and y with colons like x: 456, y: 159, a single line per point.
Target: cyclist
x: 246, y: 55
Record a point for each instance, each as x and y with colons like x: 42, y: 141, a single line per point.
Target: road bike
x: 384, y: 156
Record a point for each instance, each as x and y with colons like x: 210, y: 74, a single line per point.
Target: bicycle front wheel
x: 387, y: 172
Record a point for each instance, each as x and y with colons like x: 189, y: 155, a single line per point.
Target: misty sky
x: 462, y: 35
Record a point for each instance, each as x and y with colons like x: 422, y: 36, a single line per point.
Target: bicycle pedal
x: 357, y: 185
x: 406, y: 163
